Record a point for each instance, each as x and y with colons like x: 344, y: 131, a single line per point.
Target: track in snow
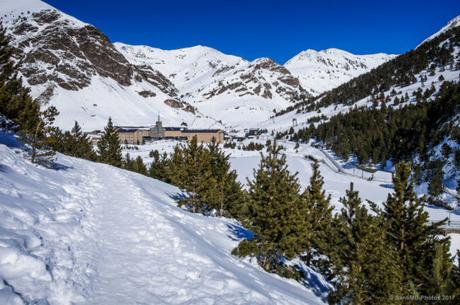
x: 141, y: 249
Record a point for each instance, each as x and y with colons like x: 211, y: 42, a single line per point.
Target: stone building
x: 141, y: 134
x: 204, y: 135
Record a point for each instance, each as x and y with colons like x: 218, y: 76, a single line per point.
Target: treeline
x: 379, y: 134
x: 384, y: 256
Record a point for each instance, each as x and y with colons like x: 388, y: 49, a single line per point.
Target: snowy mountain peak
x: 11, y: 10
x: 320, y: 71
x: 18, y: 7
x: 184, y: 67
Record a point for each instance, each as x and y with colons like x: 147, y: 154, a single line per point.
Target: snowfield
x: 88, y: 233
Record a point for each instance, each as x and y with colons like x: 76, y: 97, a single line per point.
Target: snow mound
x: 88, y: 233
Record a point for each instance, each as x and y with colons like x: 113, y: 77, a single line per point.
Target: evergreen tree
x: 159, y: 167
x: 191, y: 171
x: 365, y: 267
x: 39, y: 138
x: 224, y: 191
x: 109, y: 148
x: 83, y: 147
x: 274, y: 212
x: 435, y: 186
x: 318, y: 213
x: 128, y: 162
x: 139, y: 166
x: 409, y: 232
x: 442, y: 279
x: 16, y: 104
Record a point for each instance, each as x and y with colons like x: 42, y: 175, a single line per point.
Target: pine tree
x: 441, y: 281
x: 159, y: 167
x: 109, y: 148
x: 128, y: 162
x: 224, y: 194
x: 81, y: 144
x: 139, y: 166
x: 274, y: 212
x: 191, y: 171
x: 365, y: 267
x: 39, y: 138
x: 318, y: 213
x: 410, y: 233
x: 16, y: 104
x: 435, y: 186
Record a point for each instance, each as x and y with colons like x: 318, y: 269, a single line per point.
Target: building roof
x: 200, y: 130
x: 133, y: 128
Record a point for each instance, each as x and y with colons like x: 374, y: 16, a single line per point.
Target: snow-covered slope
x: 430, y: 78
x: 74, y: 66
x: 320, y: 71
x: 225, y: 87
x: 88, y: 233
x: 188, y: 68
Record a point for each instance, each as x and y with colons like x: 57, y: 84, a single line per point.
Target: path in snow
x: 143, y: 250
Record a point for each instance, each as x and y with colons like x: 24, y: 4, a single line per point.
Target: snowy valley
x: 334, y: 177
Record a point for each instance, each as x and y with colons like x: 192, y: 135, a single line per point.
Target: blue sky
x: 277, y: 29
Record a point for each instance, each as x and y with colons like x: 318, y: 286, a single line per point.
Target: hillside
x: 320, y: 71
x: 88, y: 233
x: 406, y: 79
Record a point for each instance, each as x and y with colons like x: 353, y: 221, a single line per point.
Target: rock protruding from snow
x: 320, y: 71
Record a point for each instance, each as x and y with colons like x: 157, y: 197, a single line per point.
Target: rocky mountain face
x: 262, y: 77
x: 53, y: 50
x: 320, y: 71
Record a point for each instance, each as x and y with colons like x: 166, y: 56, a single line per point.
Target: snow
x: 199, y: 70
x: 104, y: 98
x: 12, y: 9
x: 88, y: 233
x: 17, y: 7
x: 186, y: 67
x: 320, y: 71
